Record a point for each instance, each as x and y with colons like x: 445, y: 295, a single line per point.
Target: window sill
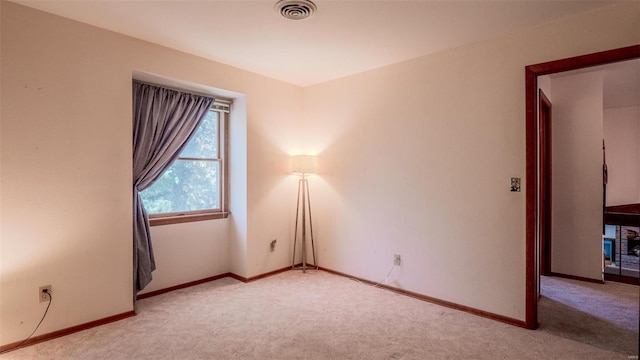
x: 177, y: 219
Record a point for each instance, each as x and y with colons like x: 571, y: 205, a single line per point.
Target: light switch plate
x: 515, y: 184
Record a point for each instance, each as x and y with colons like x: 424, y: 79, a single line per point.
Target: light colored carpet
x: 603, y: 315
x: 305, y: 316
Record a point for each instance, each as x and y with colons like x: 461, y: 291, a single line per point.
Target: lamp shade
x: 303, y: 164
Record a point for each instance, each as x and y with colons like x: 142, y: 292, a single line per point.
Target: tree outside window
x: 193, y: 183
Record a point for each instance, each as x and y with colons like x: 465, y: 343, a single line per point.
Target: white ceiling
x: 342, y: 38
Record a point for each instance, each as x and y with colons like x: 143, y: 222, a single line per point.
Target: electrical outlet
x: 396, y: 259
x: 42, y: 290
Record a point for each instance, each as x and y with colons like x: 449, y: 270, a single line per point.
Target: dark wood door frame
x: 544, y: 188
x: 532, y: 166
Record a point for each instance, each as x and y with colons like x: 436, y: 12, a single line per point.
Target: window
x: 193, y: 188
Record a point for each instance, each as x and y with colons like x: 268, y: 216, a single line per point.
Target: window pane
x: 204, y: 143
x: 188, y: 185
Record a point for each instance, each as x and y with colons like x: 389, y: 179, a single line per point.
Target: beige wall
x: 416, y: 159
x: 577, y: 133
x: 66, y: 172
x: 188, y: 252
x: 622, y: 137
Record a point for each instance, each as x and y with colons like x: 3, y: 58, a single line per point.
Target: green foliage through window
x: 192, y: 182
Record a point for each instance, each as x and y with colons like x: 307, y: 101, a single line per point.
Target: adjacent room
x: 177, y: 157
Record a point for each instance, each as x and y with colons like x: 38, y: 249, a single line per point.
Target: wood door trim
x: 544, y: 196
x: 531, y: 86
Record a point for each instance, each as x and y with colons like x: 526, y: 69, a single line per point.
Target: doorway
x: 534, y: 207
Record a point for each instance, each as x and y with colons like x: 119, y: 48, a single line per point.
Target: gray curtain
x: 163, y: 122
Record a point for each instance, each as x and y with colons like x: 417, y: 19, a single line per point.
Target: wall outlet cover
x: 42, y: 296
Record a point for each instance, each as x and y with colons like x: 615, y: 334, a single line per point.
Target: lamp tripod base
x: 305, y: 204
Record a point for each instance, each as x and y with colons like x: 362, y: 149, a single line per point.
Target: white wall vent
x: 295, y: 9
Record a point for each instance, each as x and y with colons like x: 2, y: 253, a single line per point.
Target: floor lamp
x: 302, y: 165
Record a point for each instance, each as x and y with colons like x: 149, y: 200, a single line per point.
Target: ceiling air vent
x: 295, y: 9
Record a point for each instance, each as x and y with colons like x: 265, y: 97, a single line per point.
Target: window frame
x: 222, y: 108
